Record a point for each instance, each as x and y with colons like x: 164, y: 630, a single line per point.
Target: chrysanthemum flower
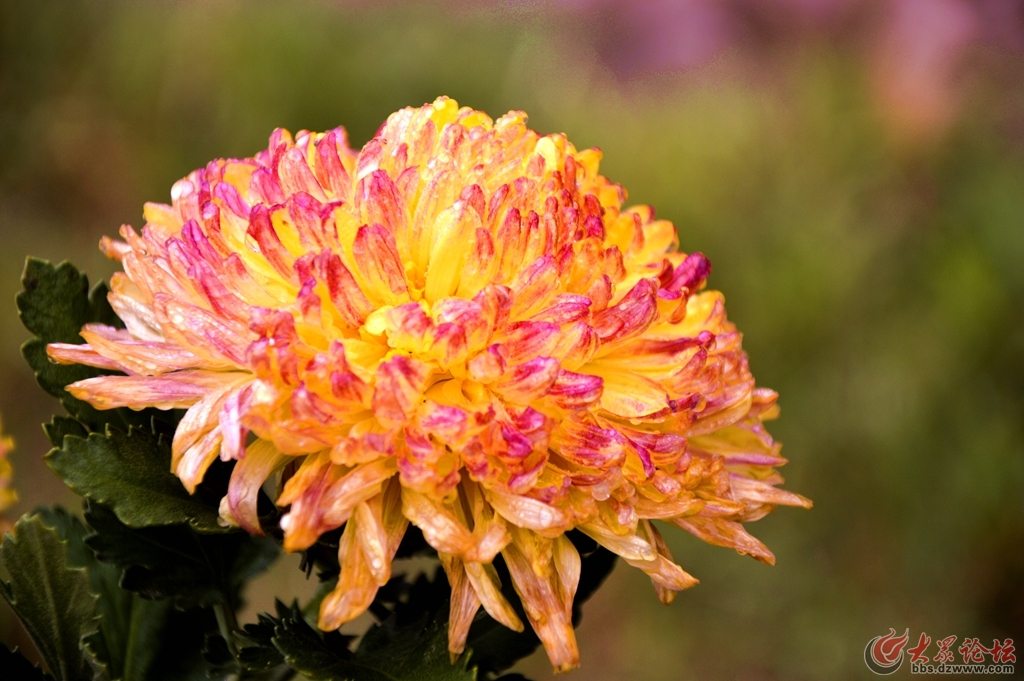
x: 459, y: 327
x: 8, y: 497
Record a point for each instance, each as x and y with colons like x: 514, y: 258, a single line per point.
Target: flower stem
x: 227, y: 623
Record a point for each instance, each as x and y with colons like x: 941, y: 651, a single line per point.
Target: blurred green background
x: 854, y: 170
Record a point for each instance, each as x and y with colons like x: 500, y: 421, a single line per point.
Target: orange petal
x: 748, y: 489
x: 487, y: 586
x: 728, y: 533
x: 83, y: 353
x: 630, y: 317
x: 376, y: 258
x: 324, y: 495
x: 399, y: 385
x: 463, y: 604
x: 198, y: 420
x: 684, y: 504
x: 330, y: 171
x: 668, y: 578
x: 198, y: 330
x: 529, y: 513
x: 524, y: 383
x: 568, y: 566
x: 178, y: 390
x: 630, y: 546
x: 381, y: 528
x: 537, y: 582
x: 261, y: 459
x: 297, y: 177
x: 628, y: 394
x: 440, y: 527
x: 356, y: 586
x: 197, y: 458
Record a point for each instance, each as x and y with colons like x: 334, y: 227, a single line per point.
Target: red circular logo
x: 884, y: 654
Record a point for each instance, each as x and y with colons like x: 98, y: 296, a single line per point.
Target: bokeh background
x: 854, y: 170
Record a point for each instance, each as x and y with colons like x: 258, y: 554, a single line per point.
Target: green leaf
x: 59, y: 426
x: 416, y: 630
x: 257, y: 657
x: 132, y: 629
x: 71, y: 531
x: 175, y: 646
x: 102, y: 584
x: 54, y: 304
x: 218, y: 656
x: 306, y: 653
x: 175, y: 562
x: 402, y: 648
x: 140, y: 626
x: 417, y: 650
x: 130, y: 473
x: 55, y: 301
x: 52, y: 600
x: 258, y: 652
x: 17, y: 668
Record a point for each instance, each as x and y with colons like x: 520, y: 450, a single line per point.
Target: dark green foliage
x: 395, y: 650
x: 59, y: 426
x: 130, y: 473
x: 17, y: 668
x: 258, y: 652
x: 175, y: 562
x: 178, y: 655
x: 304, y: 650
x: 51, y: 598
x: 218, y: 656
x: 402, y: 607
x: 141, y: 629
x: 54, y: 305
x: 414, y: 650
x: 104, y: 648
x: 134, y: 632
